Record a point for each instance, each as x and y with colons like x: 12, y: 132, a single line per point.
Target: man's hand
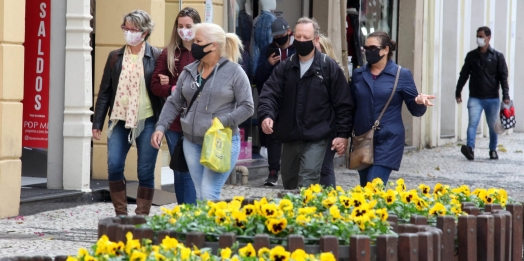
x: 267, y: 126
x: 507, y: 101
x: 156, y: 139
x: 96, y: 134
x: 273, y: 59
x: 458, y: 99
x: 340, y: 145
x: 424, y: 99
x: 164, y: 80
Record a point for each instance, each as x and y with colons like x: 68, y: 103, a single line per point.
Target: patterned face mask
x: 133, y: 38
x: 186, y: 34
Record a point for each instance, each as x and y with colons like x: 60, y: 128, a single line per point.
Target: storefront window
x: 378, y: 15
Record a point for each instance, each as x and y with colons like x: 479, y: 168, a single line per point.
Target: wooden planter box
x: 494, y: 234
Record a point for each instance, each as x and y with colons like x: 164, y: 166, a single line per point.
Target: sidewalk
x: 62, y: 232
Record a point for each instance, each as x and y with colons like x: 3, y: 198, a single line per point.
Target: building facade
x: 433, y: 38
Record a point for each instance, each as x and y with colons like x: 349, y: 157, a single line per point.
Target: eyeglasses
x: 373, y: 47
x: 134, y: 30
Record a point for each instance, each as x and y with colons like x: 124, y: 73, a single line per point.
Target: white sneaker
x: 263, y: 152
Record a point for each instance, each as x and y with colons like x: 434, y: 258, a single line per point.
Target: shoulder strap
x: 325, y: 72
x: 377, y: 122
x: 201, y: 87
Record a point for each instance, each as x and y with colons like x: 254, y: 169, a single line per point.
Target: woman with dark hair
x: 372, y: 86
x: 170, y: 64
x: 125, y: 92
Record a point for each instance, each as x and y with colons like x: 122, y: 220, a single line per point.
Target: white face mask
x: 186, y: 34
x: 133, y: 39
x: 481, y: 43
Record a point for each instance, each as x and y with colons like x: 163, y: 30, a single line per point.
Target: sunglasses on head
x: 373, y: 47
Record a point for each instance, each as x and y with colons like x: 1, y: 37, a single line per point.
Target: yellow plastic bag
x: 216, y: 150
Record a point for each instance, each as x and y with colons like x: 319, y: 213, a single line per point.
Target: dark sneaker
x: 493, y: 155
x: 272, y: 178
x: 468, y: 152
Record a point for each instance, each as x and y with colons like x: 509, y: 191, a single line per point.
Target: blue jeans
x: 118, y: 147
x: 184, y: 187
x: 208, y: 183
x: 491, y: 108
x: 369, y: 174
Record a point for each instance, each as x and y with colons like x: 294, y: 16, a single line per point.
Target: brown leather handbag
x: 361, y: 151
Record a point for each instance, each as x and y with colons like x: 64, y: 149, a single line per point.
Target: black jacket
x: 487, y: 72
x: 311, y: 111
x: 109, y: 84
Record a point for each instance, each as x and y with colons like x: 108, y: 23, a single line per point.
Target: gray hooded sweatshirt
x: 225, y: 95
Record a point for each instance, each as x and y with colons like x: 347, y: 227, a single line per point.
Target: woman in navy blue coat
x: 371, y: 86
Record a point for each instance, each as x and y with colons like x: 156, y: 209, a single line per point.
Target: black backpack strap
x: 324, y: 70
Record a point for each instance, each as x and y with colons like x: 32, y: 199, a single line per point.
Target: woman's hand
x: 97, y: 134
x: 156, y: 139
x: 424, y: 99
x: 164, y: 80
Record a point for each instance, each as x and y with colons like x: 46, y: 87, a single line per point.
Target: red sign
x: 36, y: 73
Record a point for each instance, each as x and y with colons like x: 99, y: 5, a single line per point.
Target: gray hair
x: 307, y: 20
x: 141, y: 20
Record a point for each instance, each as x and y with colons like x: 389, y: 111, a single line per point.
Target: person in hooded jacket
x: 279, y: 50
x: 371, y: 87
x: 225, y: 94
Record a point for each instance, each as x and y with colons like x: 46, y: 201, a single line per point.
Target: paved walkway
x: 63, y: 231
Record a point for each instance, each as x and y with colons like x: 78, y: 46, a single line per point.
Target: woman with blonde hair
x: 325, y: 46
x: 220, y: 89
x: 170, y: 64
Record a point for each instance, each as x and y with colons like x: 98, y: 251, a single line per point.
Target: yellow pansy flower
x: 286, y: 205
x: 328, y: 256
x: 240, y: 218
x: 137, y: 256
x: 238, y: 198
x: 225, y: 253
x: 346, y: 201
x: 328, y: 202
x: 382, y: 213
x: 390, y: 196
x: 279, y: 253
x: 247, y: 251
x: 357, y: 199
x: 249, y: 210
x: 169, y: 243
x: 438, y: 209
x: 276, y: 225
x: 269, y: 210
x: 302, y: 220
x: 185, y: 253
x: 299, y: 255
x: 400, y: 185
x: 264, y: 252
x: 424, y: 189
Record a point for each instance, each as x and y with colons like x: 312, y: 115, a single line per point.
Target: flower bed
x: 371, y: 220
x: 315, y: 211
x: 170, y: 250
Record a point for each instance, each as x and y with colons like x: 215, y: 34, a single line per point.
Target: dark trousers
x: 302, y: 162
x: 327, y: 174
x: 274, y: 150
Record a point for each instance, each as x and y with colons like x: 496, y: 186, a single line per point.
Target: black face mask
x: 198, y: 51
x: 373, y: 56
x: 303, y: 48
x: 282, y: 40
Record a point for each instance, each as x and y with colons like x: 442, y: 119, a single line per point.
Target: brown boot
x: 144, y: 199
x: 118, y: 196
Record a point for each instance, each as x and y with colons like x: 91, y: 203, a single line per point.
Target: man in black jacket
x: 306, y: 101
x: 278, y: 50
x: 488, y: 71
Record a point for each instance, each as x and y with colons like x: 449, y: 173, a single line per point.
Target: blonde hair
x: 176, y: 41
x: 327, y: 48
x: 229, y: 44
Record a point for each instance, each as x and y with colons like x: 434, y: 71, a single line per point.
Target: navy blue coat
x: 370, y: 97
